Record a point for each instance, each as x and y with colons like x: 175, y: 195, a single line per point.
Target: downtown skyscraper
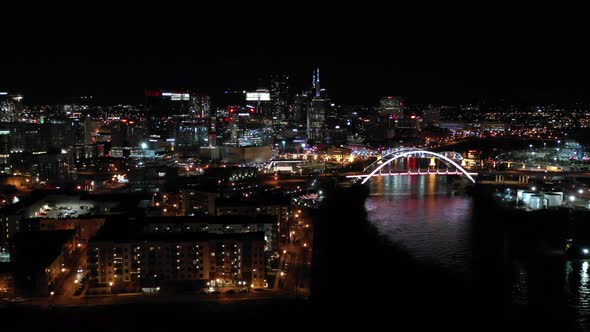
x: 316, y: 115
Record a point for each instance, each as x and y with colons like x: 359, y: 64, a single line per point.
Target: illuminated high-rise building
x: 262, y: 104
x: 431, y: 116
x: 200, y: 105
x: 161, y: 106
x: 317, y: 91
x: 10, y: 107
x: 300, y: 108
x: 318, y: 108
x: 316, y: 117
x: 392, y: 106
x: 279, y: 95
x: 193, y: 133
x: 5, y: 151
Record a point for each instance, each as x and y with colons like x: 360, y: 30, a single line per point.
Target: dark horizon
x: 432, y: 53
x: 347, y: 85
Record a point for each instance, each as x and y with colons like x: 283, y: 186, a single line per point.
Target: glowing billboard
x: 176, y: 96
x: 258, y: 96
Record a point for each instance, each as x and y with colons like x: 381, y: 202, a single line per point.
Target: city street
x: 66, y: 287
x: 141, y: 298
x: 295, y: 263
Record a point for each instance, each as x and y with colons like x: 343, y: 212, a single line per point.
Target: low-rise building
x: 279, y: 210
x: 39, y: 260
x: 85, y: 228
x: 133, y: 258
x: 224, y: 224
x: 7, y: 286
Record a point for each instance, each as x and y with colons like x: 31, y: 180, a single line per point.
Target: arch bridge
x: 448, y: 159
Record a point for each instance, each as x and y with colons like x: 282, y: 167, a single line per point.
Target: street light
x: 144, y: 145
x: 284, y: 142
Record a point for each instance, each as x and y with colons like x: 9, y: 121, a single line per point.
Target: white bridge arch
x: 405, y: 153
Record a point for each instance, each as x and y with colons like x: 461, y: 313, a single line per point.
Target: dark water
x: 422, y: 214
x: 434, y: 224
x: 577, y: 292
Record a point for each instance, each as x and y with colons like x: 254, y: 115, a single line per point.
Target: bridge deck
x: 411, y: 173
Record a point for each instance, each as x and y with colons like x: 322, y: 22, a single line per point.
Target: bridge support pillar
x: 523, y: 179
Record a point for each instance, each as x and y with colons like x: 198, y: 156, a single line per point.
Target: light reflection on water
x: 422, y: 214
x: 578, y: 286
x: 519, y: 289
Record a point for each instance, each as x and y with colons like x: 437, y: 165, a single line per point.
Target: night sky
x: 426, y: 52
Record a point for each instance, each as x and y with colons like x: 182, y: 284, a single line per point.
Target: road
x: 295, y: 262
x: 140, y: 298
x: 66, y: 287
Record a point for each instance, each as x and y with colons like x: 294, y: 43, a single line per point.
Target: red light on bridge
x: 153, y: 93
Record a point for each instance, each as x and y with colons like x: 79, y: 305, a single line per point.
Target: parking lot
x: 63, y: 211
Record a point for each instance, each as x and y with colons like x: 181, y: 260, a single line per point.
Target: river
x: 422, y: 214
x: 434, y: 224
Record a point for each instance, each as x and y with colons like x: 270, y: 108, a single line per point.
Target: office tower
x: 193, y: 133
x: 317, y: 112
x: 279, y: 94
x: 4, y: 151
x: 316, y: 90
x: 431, y: 116
x: 392, y: 106
x: 161, y: 106
x: 10, y: 107
x: 200, y: 105
x: 300, y: 107
x: 316, y: 117
x: 262, y: 103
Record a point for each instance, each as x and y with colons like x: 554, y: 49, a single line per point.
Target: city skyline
x: 295, y: 165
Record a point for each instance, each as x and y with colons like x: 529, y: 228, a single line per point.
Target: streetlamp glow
x: 144, y: 145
